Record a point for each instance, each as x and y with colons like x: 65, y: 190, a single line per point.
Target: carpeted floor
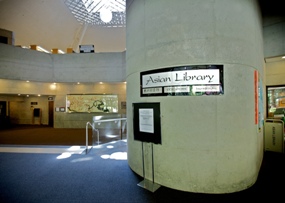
x: 103, y: 175
x: 45, y: 135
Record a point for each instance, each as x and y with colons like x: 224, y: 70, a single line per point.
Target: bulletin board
x: 146, y: 122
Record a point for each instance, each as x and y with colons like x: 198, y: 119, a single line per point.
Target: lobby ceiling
x: 51, y: 24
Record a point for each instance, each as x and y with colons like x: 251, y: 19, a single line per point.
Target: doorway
x: 3, y: 115
x: 50, y: 113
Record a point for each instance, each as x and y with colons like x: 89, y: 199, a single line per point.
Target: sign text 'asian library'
x: 183, y: 81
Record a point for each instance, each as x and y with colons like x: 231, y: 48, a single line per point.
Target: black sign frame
x: 153, y: 92
x: 139, y: 135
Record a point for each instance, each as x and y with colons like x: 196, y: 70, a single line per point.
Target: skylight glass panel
x: 108, y: 13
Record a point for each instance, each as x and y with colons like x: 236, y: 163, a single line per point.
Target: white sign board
x: 146, y: 120
x: 186, y: 81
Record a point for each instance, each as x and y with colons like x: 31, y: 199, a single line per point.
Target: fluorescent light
x: 39, y: 48
x: 61, y: 52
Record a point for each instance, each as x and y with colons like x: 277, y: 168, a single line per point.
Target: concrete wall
x: 210, y: 144
x: 274, y: 49
x: 18, y: 65
x: 273, y: 35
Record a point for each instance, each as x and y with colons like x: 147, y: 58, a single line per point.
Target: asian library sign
x: 183, y: 81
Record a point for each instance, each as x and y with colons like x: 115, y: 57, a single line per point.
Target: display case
x: 90, y: 103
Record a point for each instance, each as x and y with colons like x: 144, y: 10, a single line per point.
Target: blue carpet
x: 78, y: 178
x: 103, y: 175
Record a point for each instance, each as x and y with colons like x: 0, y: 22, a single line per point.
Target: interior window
x: 275, y: 101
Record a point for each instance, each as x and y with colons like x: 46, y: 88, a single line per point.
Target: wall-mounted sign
x: 34, y: 103
x: 146, y: 120
x: 86, y: 48
x: 123, y: 105
x: 183, y: 80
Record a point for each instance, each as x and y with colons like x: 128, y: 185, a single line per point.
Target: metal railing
x: 93, y: 126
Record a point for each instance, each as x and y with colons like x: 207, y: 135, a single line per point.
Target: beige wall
x: 275, y: 73
x: 21, y: 112
x: 20, y: 109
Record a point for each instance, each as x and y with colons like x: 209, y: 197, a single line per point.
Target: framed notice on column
x: 146, y: 121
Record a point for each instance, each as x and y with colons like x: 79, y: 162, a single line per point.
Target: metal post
x: 143, y: 161
x: 152, y: 163
x: 149, y: 185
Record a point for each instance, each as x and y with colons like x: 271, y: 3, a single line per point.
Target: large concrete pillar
x: 209, y: 144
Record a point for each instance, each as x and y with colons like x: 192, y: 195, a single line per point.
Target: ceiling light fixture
x: 39, y: 48
x: 106, y: 15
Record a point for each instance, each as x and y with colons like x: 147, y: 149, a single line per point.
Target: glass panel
x: 276, y: 102
x: 93, y: 12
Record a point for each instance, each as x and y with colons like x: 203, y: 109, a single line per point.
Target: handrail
x: 88, y: 123
x: 108, y: 120
x: 93, y: 128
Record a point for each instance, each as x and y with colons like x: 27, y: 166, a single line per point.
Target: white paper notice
x: 146, y: 120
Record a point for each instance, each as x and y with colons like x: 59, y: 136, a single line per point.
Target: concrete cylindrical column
x: 210, y: 144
